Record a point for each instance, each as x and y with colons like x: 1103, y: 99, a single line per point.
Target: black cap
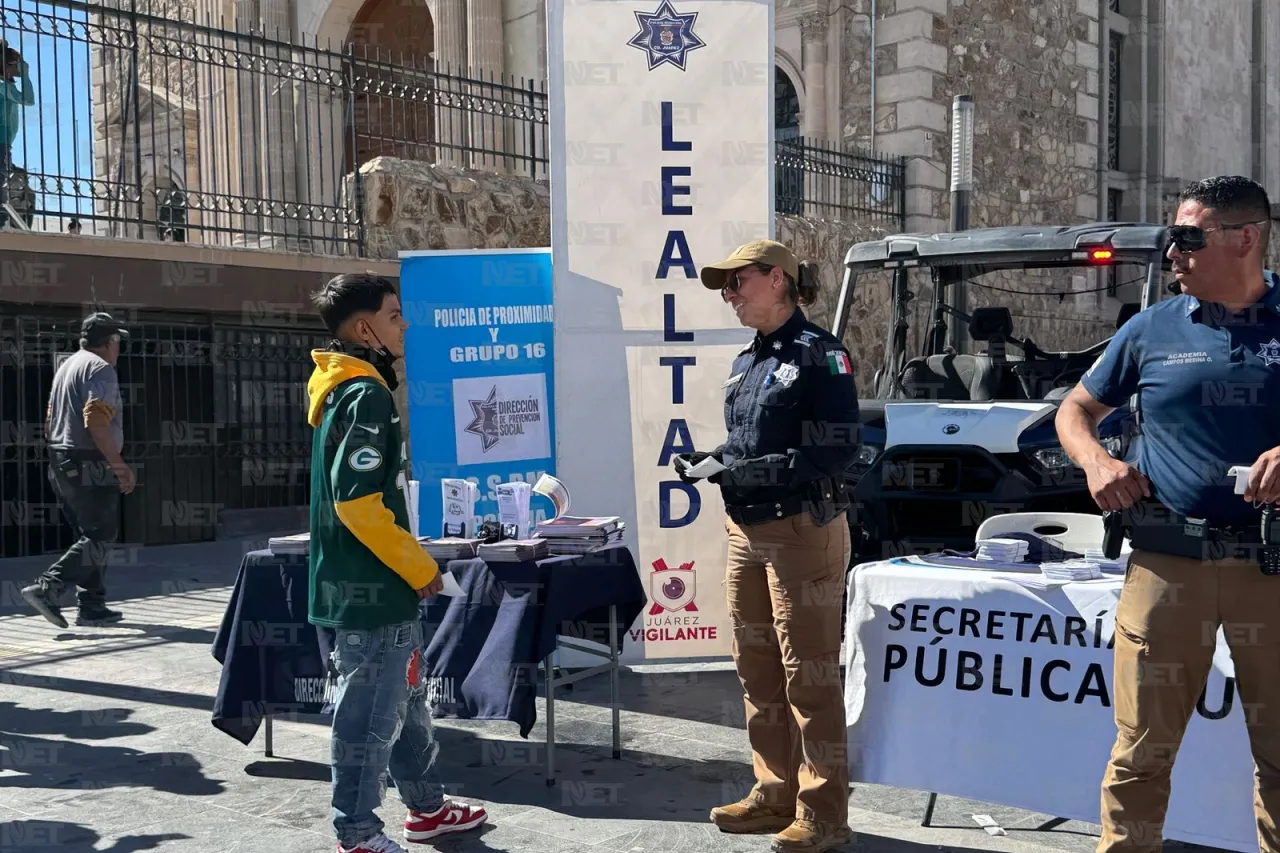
x: 98, y: 327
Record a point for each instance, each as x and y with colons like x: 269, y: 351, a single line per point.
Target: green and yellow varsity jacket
x: 366, y: 567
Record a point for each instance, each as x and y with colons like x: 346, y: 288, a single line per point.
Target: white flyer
x: 705, y: 468
x: 513, y: 509
x: 556, y: 491
x: 460, y: 498
x: 451, y: 587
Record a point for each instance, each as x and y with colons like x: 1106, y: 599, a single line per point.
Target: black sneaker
x: 39, y: 598
x: 101, y: 616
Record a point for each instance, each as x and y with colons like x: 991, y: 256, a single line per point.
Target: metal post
x: 548, y: 665
x: 961, y: 189
x: 873, y: 78
x: 613, y: 681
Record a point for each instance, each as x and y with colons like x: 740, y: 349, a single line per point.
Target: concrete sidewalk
x: 108, y: 746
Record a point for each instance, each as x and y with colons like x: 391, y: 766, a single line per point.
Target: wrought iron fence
x: 825, y: 181
x: 212, y: 422
x: 151, y: 127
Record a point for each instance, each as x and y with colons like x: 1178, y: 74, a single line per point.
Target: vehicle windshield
x: 1059, y: 310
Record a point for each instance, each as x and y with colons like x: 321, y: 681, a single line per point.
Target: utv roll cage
x: 953, y: 259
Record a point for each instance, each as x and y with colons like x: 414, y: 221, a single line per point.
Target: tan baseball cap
x: 769, y: 252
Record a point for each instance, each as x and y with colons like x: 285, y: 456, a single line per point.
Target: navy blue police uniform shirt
x: 791, y: 404
x: 1209, y: 386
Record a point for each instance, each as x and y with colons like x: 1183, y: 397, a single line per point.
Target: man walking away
x: 85, y: 432
x: 369, y: 575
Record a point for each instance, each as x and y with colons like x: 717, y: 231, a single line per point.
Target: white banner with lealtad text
x: 967, y: 684
x: 661, y: 162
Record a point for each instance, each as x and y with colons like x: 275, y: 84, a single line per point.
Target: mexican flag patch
x: 839, y: 362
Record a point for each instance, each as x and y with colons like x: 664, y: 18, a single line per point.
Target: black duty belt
x: 827, y: 497
x: 757, y: 513
x: 1196, y: 538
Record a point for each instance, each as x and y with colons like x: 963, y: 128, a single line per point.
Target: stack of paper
x: 460, y: 498
x: 450, y: 548
x: 513, y: 509
x: 1003, y: 550
x: 1111, y: 567
x: 299, y: 543
x: 513, y: 551
x: 411, y: 499
x: 570, y: 534
x: 1071, y: 570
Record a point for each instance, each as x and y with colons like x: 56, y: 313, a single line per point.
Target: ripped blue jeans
x: 381, y: 725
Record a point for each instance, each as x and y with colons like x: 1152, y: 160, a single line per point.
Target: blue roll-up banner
x: 478, y: 361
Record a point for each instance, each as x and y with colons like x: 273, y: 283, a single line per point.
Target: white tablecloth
x: 966, y: 683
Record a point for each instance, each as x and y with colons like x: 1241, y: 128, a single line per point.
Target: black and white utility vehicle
x: 950, y: 438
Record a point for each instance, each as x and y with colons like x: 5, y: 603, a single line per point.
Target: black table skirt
x: 481, y: 652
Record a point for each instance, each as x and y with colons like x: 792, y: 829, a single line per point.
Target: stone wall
x: 1032, y: 69
x: 414, y: 206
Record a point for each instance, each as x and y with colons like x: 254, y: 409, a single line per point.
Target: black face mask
x: 381, y: 359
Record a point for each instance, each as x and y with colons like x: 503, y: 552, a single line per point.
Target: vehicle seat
x: 950, y: 377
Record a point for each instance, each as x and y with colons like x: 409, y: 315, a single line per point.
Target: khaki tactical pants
x: 1166, y: 628
x: 785, y: 582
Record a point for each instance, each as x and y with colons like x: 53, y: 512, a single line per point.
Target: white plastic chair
x: 1082, y: 531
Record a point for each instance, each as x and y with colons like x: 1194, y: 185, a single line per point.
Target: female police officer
x: 791, y: 412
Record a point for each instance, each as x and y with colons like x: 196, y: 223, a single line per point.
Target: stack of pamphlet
x: 1110, y: 567
x: 513, y: 551
x: 449, y: 548
x: 1003, y: 550
x: 571, y: 534
x: 298, y: 543
x: 1071, y: 570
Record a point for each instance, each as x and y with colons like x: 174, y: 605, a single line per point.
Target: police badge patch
x: 666, y: 36
x: 786, y: 374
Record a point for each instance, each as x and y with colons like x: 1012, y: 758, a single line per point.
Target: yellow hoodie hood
x: 332, y: 369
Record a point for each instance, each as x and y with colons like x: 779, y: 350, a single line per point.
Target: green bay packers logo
x: 364, y: 459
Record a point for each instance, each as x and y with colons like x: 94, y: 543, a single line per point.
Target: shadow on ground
x: 46, y: 763
x: 72, y: 838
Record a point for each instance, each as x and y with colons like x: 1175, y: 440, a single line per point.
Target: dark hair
x: 805, y: 290
x: 1233, y: 194
x: 344, y: 296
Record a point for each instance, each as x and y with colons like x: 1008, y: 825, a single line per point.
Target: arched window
x: 171, y: 213
x: 788, y: 176
x: 786, y: 106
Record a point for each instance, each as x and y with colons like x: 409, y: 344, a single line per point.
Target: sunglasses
x: 1192, y: 238
x: 733, y: 283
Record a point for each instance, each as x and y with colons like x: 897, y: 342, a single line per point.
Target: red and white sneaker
x: 452, y: 817
x: 378, y: 844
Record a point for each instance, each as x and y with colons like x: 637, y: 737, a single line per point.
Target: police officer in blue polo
x: 791, y: 412
x: 1206, y: 367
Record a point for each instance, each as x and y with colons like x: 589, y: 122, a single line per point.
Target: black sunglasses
x: 1192, y: 238
x: 733, y: 282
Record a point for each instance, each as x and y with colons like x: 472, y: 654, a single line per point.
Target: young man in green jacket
x: 369, y: 575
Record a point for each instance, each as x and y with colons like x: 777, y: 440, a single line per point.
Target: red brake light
x: 1100, y: 255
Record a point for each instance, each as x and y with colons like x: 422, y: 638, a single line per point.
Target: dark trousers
x: 89, y: 495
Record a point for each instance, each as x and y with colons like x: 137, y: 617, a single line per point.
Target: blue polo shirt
x: 1209, y: 384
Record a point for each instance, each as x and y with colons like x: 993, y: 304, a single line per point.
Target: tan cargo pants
x: 784, y: 583
x: 1166, y: 628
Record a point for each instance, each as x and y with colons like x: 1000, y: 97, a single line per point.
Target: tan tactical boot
x: 806, y: 836
x: 748, y: 815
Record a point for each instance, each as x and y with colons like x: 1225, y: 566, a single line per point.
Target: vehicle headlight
x: 1053, y: 458
x: 867, y: 454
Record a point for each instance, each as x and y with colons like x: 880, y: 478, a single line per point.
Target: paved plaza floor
x: 106, y: 745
